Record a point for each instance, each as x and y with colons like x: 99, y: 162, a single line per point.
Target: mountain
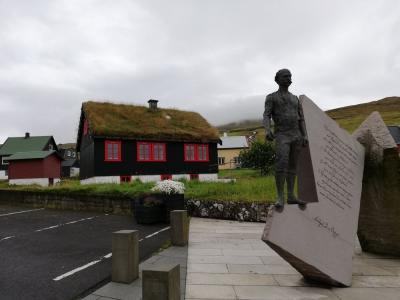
x: 348, y: 117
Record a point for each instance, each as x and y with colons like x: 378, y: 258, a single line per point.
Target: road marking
x: 7, y: 238
x: 76, y: 270
x: 155, y: 233
x: 21, y: 212
x: 68, y: 223
x: 101, y: 259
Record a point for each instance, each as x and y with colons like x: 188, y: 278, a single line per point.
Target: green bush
x: 261, y: 156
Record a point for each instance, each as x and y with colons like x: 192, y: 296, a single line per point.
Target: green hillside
x: 348, y: 117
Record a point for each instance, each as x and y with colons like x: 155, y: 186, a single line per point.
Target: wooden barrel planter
x: 149, y: 209
x: 156, y: 208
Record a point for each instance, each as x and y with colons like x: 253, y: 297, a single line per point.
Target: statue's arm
x: 267, y: 118
x: 302, y: 124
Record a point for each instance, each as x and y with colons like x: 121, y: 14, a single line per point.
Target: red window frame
x: 194, y: 176
x: 166, y: 177
x: 152, y: 158
x: 125, y: 178
x: 196, y: 157
x: 106, y: 156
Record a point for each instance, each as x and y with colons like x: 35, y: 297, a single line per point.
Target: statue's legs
x: 281, y: 165
x: 295, y: 149
x: 280, y: 184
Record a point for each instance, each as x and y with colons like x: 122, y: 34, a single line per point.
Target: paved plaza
x: 228, y: 260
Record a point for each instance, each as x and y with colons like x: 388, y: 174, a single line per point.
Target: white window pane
x: 141, y: 152
x: 115, y: 154
x: 109, y: 151
x: 190, y: 152
x: 156, y: 152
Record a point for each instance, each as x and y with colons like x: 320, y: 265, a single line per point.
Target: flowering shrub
x: 169, y: 187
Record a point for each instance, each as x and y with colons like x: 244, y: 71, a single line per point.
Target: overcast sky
x: 215, y: 57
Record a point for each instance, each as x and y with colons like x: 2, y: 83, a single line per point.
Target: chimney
x: 152, y: 104
x: 27, y: 135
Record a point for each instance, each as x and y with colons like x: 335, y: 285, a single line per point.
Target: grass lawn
x: 250, y: 186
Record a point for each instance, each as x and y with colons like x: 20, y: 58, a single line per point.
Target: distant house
x: 70, y: 163
x: 23, y: 144
x: 228, y: 151
x: 120, y: 143
x: 34, y: 167
x: 395, y: 132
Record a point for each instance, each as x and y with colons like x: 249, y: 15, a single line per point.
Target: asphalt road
x: 50, y: 254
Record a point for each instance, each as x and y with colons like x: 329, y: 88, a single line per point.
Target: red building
x: 34, y: 167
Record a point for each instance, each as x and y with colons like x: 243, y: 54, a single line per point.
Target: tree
x: 260, y: 155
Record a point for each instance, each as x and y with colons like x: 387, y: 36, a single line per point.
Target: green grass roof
x: 139, y: 122
x: 21, y: 144
x: 30, y: 155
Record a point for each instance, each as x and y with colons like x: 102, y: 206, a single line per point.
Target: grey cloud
x: 215, y: 57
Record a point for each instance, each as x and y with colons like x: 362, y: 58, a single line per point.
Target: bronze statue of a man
x: 285, y: 110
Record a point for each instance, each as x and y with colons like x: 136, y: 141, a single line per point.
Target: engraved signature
x: 325, y: 225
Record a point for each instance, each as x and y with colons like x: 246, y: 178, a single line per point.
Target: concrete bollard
x: 125, y: 256
x: 179, y: 228
x: 161, y: 282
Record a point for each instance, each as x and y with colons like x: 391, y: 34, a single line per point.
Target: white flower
x: 169, y: 187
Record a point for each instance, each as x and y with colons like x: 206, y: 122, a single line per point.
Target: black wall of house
x: 87, y: 158
x: 129, y: 165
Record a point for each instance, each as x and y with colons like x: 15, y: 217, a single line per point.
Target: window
x: 196, y: 152
x: 4, y: 162
x: 125, y: 179
x: 68, y: 153
x: 166, y: 177
x: 50, y: 146
x: 194, y: 176
x: 151, y: 151
x: 112, y: 151
x: 221, y: 160
x: 189, y: 152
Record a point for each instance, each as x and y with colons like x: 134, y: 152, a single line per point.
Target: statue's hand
x: 269, y: 136
x: 304, y: 141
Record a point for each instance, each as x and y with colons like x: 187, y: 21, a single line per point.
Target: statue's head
x: 283, y: 77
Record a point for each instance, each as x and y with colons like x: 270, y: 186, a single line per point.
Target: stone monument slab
x: 319, y: 241
x: 379, y: 222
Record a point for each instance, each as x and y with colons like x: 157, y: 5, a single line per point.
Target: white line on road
x: 20, y: 212
x: 68, y: 223
x: 155, y: 233
x: 101, y: 259
x: 7, y: 238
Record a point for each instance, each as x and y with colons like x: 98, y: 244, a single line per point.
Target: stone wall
x: 241, y: 211
x: 107, y: 204
x: 228, y: 210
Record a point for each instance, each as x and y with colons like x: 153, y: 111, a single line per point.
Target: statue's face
x: 285, y: 79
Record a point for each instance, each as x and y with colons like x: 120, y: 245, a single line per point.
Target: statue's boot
x: 291, y: 179
x: 280, y: 184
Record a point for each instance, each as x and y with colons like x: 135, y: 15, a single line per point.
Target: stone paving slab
x: 230, y: 279
x: 368, y: 293
x: 283, y: 293
x: 217, y: 268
